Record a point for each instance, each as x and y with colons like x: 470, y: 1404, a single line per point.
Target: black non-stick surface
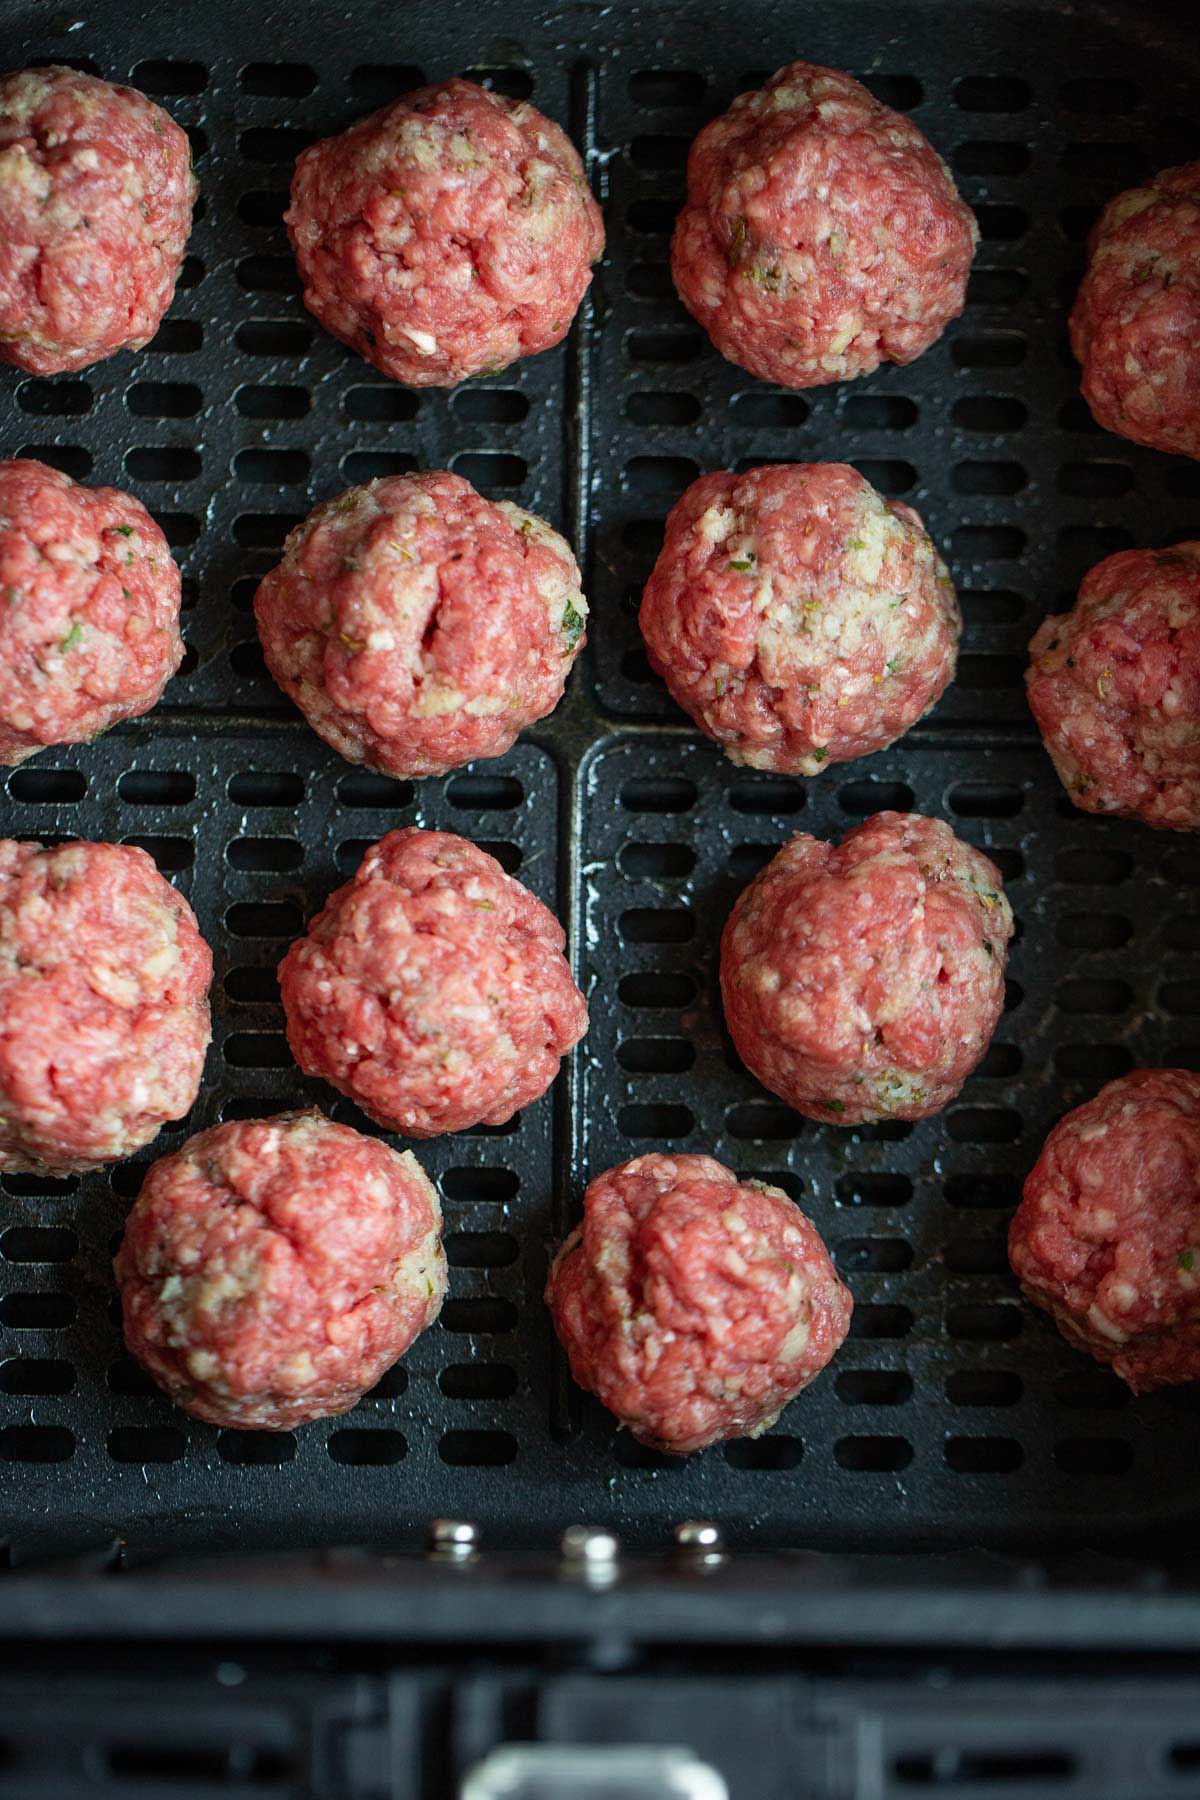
x: 954, y: 1416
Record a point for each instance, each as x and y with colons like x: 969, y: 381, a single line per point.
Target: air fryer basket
x: 955, y: 1416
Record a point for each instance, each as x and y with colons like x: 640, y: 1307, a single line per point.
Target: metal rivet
x: 591, y: 1547
x: 698, y: 1534
x: 453, y: 1539
x: 700, y: 1541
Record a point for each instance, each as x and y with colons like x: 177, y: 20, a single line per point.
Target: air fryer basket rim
x: 954, y: 1418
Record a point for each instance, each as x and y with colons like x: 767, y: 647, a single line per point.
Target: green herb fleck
x: 736, y: 244
x: 350, y: 564
x: 820, y: 753
x: 857, y: 544
x: 987, y: 944
x: 833, y: 1106
x: 123, y: 530
x: 895, y: 665
x: 125, y: 594
x: 743, y: 562
x: 571, y: 626
x: 72, y: 638
x: 1187, y: 1261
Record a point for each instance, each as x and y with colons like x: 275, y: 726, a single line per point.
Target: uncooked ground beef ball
x: 695, y: 1305
x: 417, y: 625
x: 1115, y: 688
x: 1107, y: 1235
x: 103, y: 1005
x: 89, y: 610
x: 822, y: 234
x: 272, y: 1269
x: 432, y: 989
x: 446, y: 235
x: 1135, y: 325
x: 863, y: 980
x: 799, y: 617
x: 96, y: 195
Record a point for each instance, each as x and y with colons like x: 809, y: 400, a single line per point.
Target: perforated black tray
x: 954, y: 1416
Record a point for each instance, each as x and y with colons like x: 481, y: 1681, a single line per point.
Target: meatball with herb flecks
x: 103, y: 1005
x: 798, y: 616
x: 1114, y: 685
x: 695, y: 1305
x: 273, y: 1269
x: 1135, y: 325
x: 446, y: 235
x: 822, y: 234
x: 96, y: 196
x: 418, y: 626
x: 432, y: 988
x: 89, y: 610
x: 863, y: 980
x: 1107, y: 1235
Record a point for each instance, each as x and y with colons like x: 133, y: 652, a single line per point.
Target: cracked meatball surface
x: 798, y: 617
x: 103, y: 1005
x: 89, y: 610
x: 418, y: 626
x: 96, y: 196
x: 273, y: 1269
x: 446, y: 235
x: 1135, y: 325
x: 1107, y: 1235
x: 822, y: 234
x: 432, y: 989
x: 693, y: 1304
x: 863, y: 980
x: 1115, y: 688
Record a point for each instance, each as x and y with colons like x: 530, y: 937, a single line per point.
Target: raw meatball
x: 1115, y: 688
x: 1135, y: 325
x: 693, y: 1304
x: 432, y: 988
x: 798, y: 616
x: 446, y: 235
x: 89, y: 632
x: 103, y: 1005
x: 864, y: 980
x: 1107, y: 1235
x: 272, y: 1269
x: 822, y: 234
x: 417, y: 625
x: 96, y: 195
